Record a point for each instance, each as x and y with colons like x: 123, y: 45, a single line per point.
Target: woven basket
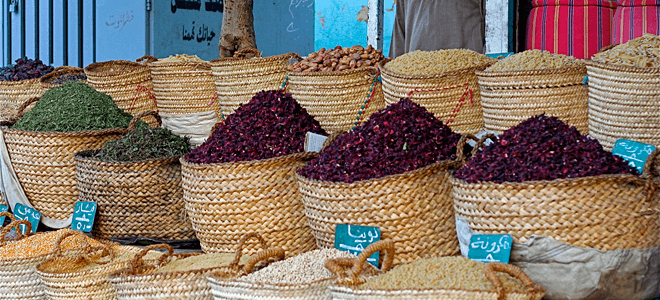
x: 226, y: 200
x: 184, y: 87
x: 347, y: 288
x: 509, y: 98
x: 46, y: 80
x: 623, y: 103
x: 414, y: 209
x: 453, y: 97
x: 238, y: 80
x: 606, y: 212
x: 141, y: 281
x: 45, y: 166
x: 15, y: 235
x: 14, y: 93
x: 339, y: 100
x: 135, y: 199
x: 128, y: 83
x: 63, y: 275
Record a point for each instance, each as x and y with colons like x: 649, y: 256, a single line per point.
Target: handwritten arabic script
x: 120, y: 21
x: 83, y: 216
x: 200, y: 34
x: 354, y: 238
x: 490, y: 248
x: 22, y: 212
x: 634, y: 153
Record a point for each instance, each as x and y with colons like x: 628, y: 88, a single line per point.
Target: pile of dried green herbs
x: 74, y: 106
x: 143, y: 144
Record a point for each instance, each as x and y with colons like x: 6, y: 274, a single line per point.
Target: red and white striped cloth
x: 577, y: 28
x: 634, y: 18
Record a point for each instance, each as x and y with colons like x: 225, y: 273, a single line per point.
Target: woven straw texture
x: 135, y: 199
x: 45, y: 166
x: 243, y: 290
x: 46, y: 80
x: 347, y: 286
x: 227, y: 200
x: 453, y: 97
x: 509, y: 98
x: 414, y: 209
x: 238, y: 80
x: 184, y: 87
x: 623, y: 103
x: 128, y: 83
x: 339, y: 99
x: 63, y: 276
x: 143, y: 281
x: 18, y: 279
x: 604, y: 212
x: 15, y: 93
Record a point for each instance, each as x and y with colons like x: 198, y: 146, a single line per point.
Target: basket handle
x: 492, y: 267
x: 8, y: 215
x: 244, y: 52
x: 146, y: 59
x: 241, y: 244
x: 15, y: 224
x: 331, y: 138
x: 263, y: 255
x: 460, y: 156
x: 137, y: 259
x: 86, y: 249
x: 352, y: 275
x: 131, y: 126
x: 21, y: 109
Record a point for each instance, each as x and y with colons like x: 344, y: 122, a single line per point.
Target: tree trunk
x: 237, y: 27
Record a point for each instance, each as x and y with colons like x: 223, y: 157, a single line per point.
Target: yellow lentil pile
x: 534, y: 60
x: 642, y: 52
x: 180, y: 58
x: 202, y: 261
x: 452, y: 272
x: 123, y: 254
x: 436, y: 62
x: 41, y: 244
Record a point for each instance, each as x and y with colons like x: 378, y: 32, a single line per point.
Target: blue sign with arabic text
x: 22, y: 212
x: 83, y: 216
x: 490, y: 248
x: 634, y: 153
x: 2, y: 219
x: 354, y: 238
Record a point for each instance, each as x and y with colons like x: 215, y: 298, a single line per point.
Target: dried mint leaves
x: 143, y: 144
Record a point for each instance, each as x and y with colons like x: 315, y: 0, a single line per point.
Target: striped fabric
x: 572, y: 27
x: 634, y: 18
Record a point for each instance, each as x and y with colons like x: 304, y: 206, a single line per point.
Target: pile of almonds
x: 339, y: 59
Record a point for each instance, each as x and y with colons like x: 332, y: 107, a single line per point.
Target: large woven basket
x: 606, y: 212
x: 238, y: 80
x: 339, y: 100
x: 226, y: 200
x: 453, y: 97
x: 414, y: 209
x: 347, y: 288
x: 46, y: 81
x: 143, y: 281
x: 623, y: 103
x: 135, y: 199
x: 509, y: 98
x: 45, y: 166
x: 184, y: 87
x: 128, y: 83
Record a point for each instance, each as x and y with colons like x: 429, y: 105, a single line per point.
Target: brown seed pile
x: 202, y: 261
x: 180, y: 58
x: 338, y: 59
x: 642, y: 52
x: 534, y: 60
x: 437, y: 62
x: 450, y: 272
x: 42, y: 244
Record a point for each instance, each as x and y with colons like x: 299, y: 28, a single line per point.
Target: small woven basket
x: 606, y: 212
x: 414, y: 209
x: 135, y: 199
x: 142, y: 281
x: 623, y: 103
x: 238, y: 80
x: 348, y: 287
x: 128, y: 83
x: 46, y: 81
x: 14, y: 93
x: 184, y: 87
x: 509, y: 98
x: 453, y: 97
x: 226, y: 200
x: 339, y: 100
x: 45, y: 166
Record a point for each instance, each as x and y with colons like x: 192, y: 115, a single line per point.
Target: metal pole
x: 375, y: 24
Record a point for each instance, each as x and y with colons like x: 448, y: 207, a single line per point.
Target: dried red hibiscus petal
x: 272, y: 124
x: 541, y: 148
x: 400, y: 138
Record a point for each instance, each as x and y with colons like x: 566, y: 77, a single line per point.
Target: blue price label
x: 354, y: 238
x: 490, y: 247
x: 22, y: 212
x: 83, y: 216
x: 634, y: 153
x: 2, y: 209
